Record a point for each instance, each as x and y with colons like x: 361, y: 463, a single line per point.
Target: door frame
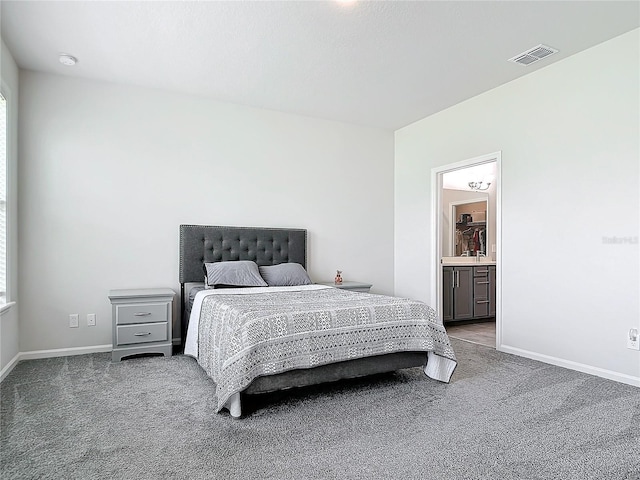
x: 436, y: 232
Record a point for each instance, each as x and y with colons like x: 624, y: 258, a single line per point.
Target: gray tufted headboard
x: 201, y: 244
x: 265, y: 246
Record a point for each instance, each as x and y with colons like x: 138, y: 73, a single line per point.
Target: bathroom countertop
x: 466, y: 262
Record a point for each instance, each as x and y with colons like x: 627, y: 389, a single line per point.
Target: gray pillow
x: 285, y: 274
x: 241, y: 273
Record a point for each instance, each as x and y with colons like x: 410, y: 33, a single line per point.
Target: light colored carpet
x: 501, y: 417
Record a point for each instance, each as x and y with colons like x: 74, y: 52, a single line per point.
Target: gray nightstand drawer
x: 145, y: 333
x: 141, y: 313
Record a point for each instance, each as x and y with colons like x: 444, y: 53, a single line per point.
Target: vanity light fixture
x: 68, y: 60
x: 477, y: 186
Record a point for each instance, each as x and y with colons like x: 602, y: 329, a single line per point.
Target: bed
x: 269, y: 337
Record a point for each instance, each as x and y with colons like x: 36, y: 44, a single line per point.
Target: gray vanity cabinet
x: 469, y: 292
x: 458, y: 293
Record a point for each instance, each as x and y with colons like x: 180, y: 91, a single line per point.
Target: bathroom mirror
x: 469, y: 228
x: 465, y: 223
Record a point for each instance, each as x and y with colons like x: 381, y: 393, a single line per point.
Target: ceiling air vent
x: 533, y: 55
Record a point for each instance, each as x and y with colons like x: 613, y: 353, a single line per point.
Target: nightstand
x: 351, y: 286
x: 142, y: 321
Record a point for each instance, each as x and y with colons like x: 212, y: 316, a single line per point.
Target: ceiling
x: 383, y: 64
x: 459, y: 179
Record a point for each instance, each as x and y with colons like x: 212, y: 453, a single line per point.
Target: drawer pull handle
x: 482, y: 301
x: 482, y: 271
x: 482, y: 283
x: 142, y: 314
x: 141, y: 334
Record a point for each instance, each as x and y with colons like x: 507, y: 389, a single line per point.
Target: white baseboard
x: 580, y: 367
x: 9, y: 366
x: 58, y: 352
x: 64, y: 352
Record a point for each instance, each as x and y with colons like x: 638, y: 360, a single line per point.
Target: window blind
x: 3, y: 199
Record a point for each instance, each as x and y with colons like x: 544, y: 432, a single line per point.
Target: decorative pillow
x: 241, y: 273
x: 285, y: 274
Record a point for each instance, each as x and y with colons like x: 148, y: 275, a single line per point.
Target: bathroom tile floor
x: 483, y: 333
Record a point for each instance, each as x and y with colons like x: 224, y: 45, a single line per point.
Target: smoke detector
x: 533, y: 55
x: 68, y: 60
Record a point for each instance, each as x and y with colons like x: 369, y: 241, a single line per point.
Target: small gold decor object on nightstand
x: 338, y: 279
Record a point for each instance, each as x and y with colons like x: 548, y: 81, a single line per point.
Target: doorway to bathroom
x: 466, y: 248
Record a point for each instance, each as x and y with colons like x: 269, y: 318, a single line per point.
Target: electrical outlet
x: 633, y: 339
x: 74, y: 320
x: 493, y: 248
x: 91, y: 319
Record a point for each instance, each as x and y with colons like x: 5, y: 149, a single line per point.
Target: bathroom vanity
x: 469, y: 289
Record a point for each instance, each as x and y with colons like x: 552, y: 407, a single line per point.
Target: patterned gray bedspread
x: 242, y: 337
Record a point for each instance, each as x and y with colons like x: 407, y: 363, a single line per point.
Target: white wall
x: 9, y: 340
x: 109, y: 172
x: 569, y: 135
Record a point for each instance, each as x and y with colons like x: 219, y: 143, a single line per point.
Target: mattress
x: 192, y: 289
